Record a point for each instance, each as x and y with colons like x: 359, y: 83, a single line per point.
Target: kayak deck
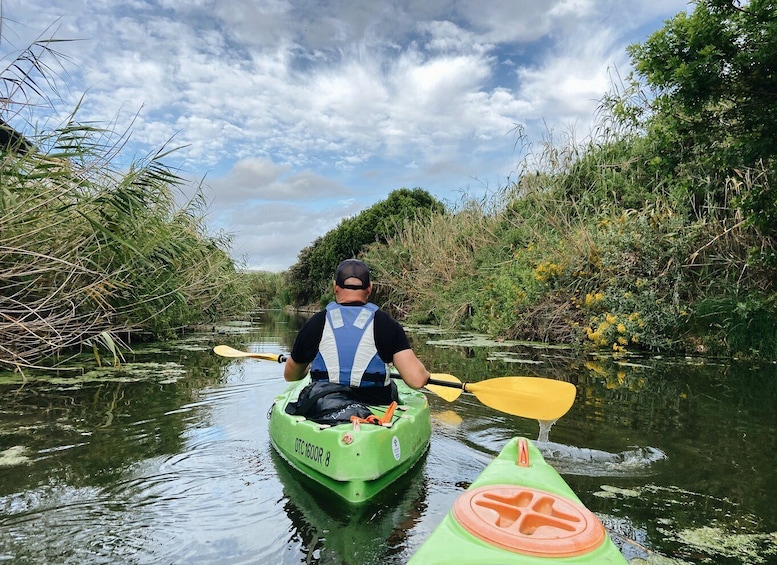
x: 518, y: 511
x: 354, y: 461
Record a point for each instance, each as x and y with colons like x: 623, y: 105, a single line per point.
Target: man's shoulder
x: 384, y: 318
x: 380, y: 313
x: 317, y: 316
x: 315, y: 321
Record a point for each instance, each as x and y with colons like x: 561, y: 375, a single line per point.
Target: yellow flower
x: 547, y: 270
x: 595, y: 367
x: 591, y: 299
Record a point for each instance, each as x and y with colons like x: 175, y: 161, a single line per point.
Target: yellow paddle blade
x: 447, y: 393
x: 529, y: 397
x: 227, y: 351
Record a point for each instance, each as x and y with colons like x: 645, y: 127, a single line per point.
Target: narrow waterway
x: 168, y: 459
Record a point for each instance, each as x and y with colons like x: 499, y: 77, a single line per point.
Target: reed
x: 93, y: 255
x: 422, y: 272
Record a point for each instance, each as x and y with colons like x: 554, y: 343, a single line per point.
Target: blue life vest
x: 347, y: 353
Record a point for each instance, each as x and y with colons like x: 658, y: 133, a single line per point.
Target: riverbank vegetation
x: 93, y: 255
x: 657, y: 232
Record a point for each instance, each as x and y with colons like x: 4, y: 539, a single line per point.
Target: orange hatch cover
x: 529, y: 521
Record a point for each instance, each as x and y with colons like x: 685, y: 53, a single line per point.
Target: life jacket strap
x: 373, y: 419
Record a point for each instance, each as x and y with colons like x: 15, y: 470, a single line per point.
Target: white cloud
x: 288, y: 105
x: 569, y: 84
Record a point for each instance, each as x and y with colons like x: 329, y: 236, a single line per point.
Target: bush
x: 268, y: 291
x: 310, y: 278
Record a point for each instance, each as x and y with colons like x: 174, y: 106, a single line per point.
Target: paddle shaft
x: 268, y: 357
x: 527, y: 397
x: 449, y: 384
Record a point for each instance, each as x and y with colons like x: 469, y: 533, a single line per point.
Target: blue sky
x: 299, y: 113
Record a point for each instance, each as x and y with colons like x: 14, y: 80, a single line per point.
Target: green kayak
x: 518, y: 511
x: 358, y: 460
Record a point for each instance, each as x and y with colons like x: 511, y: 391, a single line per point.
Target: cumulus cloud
x: 316, y: 110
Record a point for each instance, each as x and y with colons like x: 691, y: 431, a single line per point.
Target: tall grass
x: 422, y: 272
x: 588, y: 248
x: 267, y: 291
x: 93, y: 255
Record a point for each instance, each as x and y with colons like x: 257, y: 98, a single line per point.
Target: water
x: 168, y: 460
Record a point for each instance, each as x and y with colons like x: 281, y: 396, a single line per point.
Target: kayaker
x: 352, y: 341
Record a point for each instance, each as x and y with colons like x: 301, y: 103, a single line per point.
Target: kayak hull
x: 518, y: 511
x: 354, y: 461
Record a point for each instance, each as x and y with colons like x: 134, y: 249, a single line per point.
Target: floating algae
x: 613, y: 492
x: 756, y: 548
x: 480, y: 340
x: 14, y: 456
x: 235, y: 327
x: 127, y: 372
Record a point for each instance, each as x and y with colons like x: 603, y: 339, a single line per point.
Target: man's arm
x: 294, y: 371
x: 410, y: 368
x: 305, y: 347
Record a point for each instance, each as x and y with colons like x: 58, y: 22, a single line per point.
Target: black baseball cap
x: 352, y: 268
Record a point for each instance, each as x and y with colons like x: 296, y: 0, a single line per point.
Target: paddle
x: 227, y: 351
x: 527, y: 397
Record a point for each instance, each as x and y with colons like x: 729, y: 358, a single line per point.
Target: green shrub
x: 310, y: 278
x: 740, y: 324
x: 267, y: 290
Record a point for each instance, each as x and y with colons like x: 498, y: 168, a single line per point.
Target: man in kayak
x: 352, y: 342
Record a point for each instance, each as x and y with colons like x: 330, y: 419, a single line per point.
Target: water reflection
x: 331, y: 532
x: 168, y: 458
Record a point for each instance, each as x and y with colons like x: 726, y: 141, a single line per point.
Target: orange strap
x: 373, y: 419
x: 523, y: 452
